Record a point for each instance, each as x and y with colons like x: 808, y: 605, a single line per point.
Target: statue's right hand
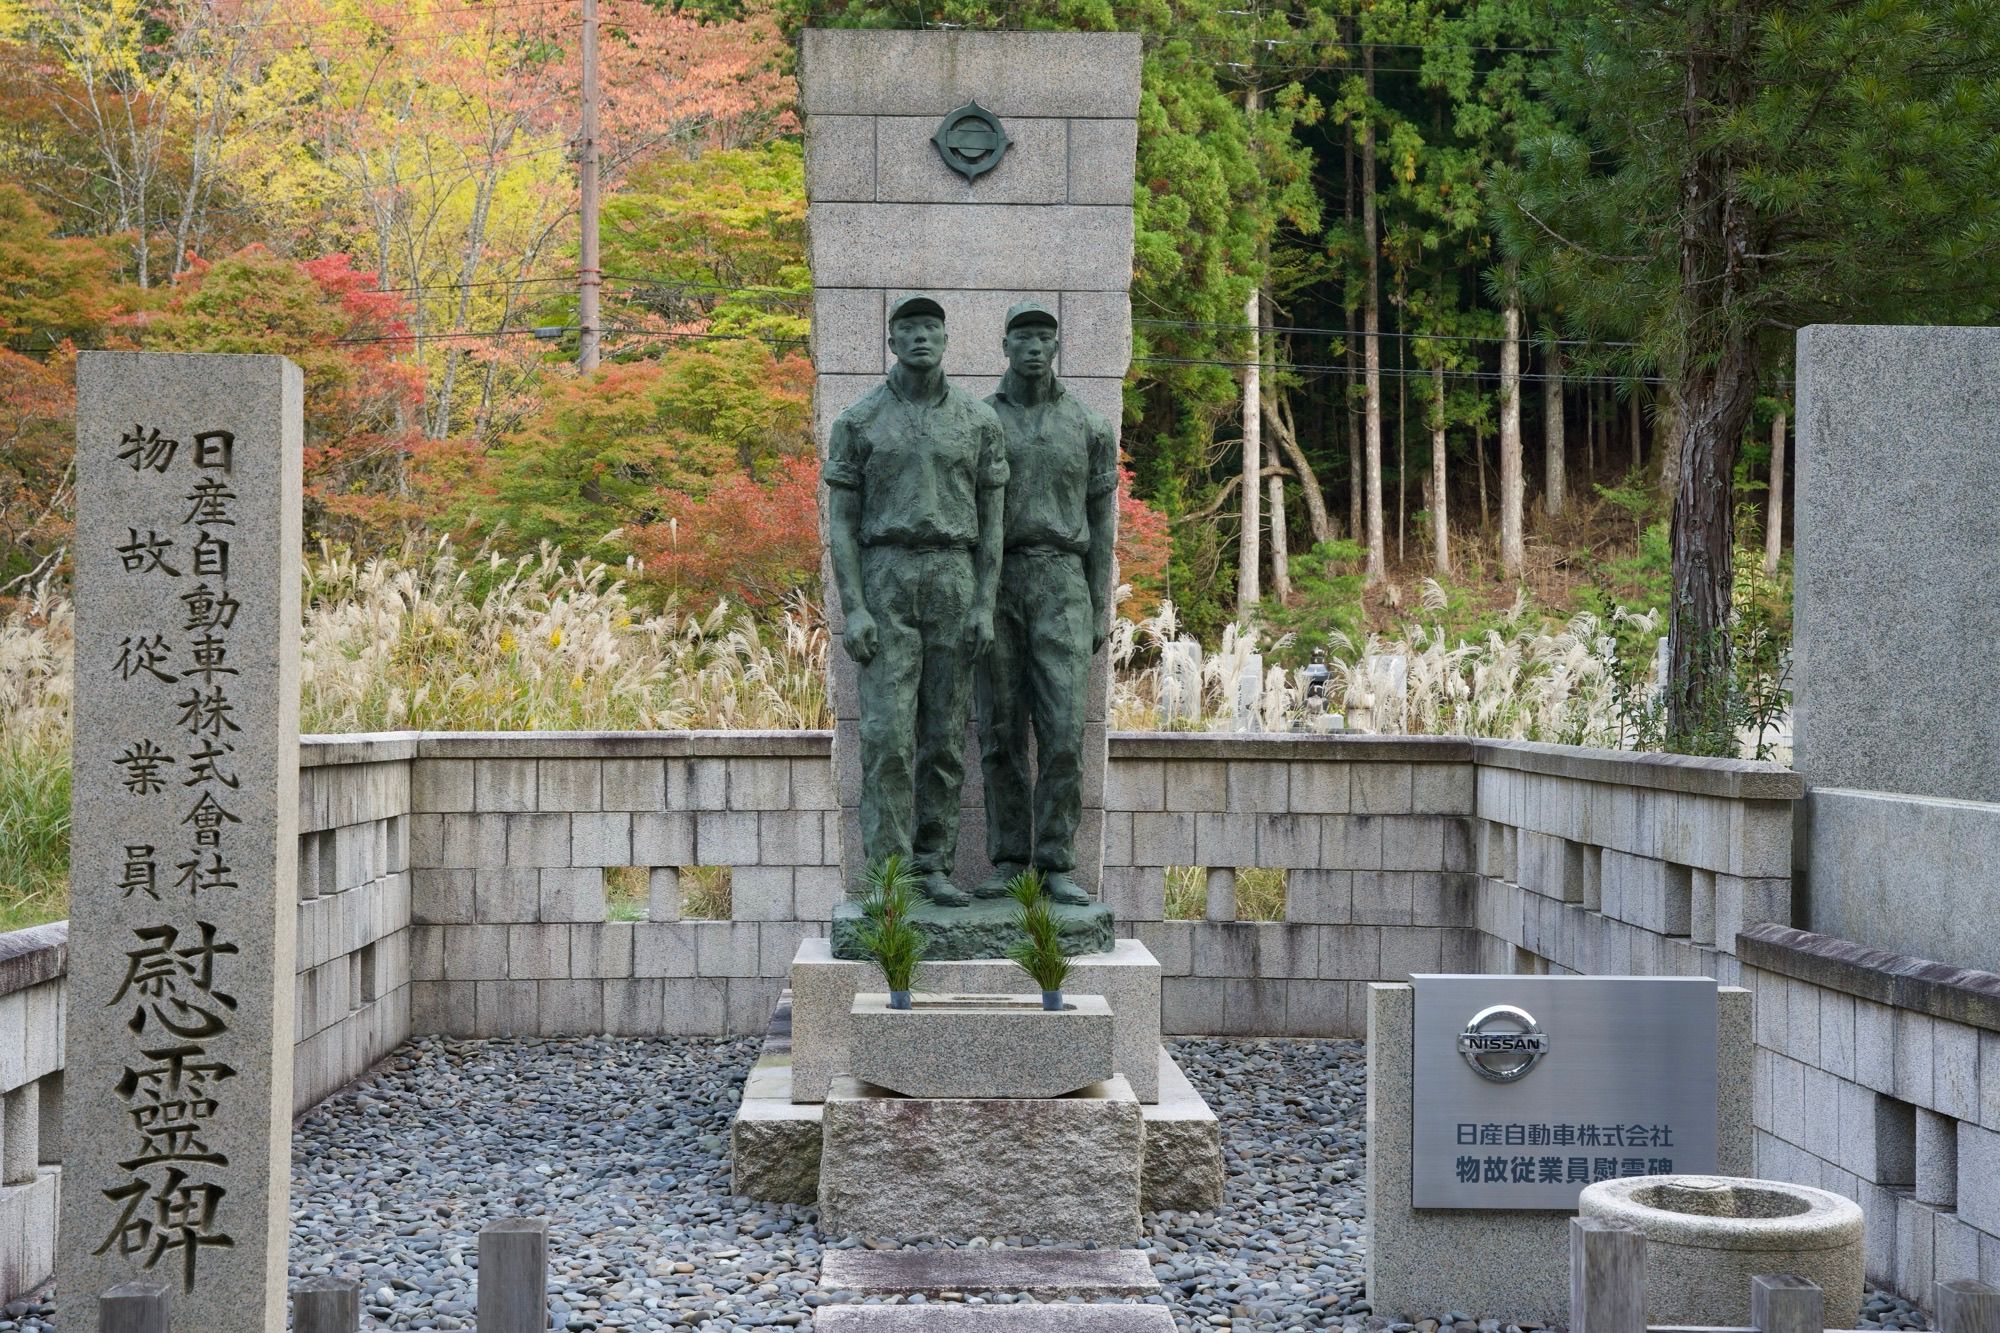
x: 860, y: 638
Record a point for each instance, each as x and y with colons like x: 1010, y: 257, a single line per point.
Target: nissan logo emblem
x: 1503, y: 1043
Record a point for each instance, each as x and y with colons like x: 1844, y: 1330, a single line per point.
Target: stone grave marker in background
x: 183, y: 858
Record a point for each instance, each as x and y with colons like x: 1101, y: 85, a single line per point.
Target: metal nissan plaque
x: 1526, y: 1089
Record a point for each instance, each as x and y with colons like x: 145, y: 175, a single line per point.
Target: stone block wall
x: 1651, y: 865
x: 32, y: 964
x: 353, y: 989
x: 1878, y: 1077
x: 1374, y: 835
x: 513, y: 927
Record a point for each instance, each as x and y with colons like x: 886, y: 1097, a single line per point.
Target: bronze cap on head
x: 1029, y: 312
x: 915, y: 304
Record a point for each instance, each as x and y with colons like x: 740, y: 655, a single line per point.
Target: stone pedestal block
x: 824, y: 987
x: 981, y: 1046
x: 911, y: 1168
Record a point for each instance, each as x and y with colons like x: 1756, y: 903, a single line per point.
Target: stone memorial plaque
x: 1526, y: 1089
x: 184, y: 850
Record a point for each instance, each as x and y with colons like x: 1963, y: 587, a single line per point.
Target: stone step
x: 1044, y: 1274
x: 993, y: 1319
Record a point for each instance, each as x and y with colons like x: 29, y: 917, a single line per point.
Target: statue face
x: 1031, y: 349
x: 918, y: 341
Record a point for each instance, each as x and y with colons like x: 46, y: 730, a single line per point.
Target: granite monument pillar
x: 183, y: 855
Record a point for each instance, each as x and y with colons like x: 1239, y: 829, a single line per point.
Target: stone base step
x: 1044, y: 1274
x: 993, y: 1319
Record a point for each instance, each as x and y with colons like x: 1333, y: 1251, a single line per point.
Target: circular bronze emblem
x: 971, y: 141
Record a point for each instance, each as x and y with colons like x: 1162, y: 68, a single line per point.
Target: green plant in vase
x: 1040, y: 951
x: 888, y: 936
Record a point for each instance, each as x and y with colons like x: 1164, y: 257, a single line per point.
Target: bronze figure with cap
x: 916, y: 474
x: 1050, y: 616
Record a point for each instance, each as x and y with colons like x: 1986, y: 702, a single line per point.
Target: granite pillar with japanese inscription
x: 183, y: 854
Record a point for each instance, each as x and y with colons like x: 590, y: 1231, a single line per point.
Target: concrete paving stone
x: 760, y: 784
x: 441, y: 785
x: 1320, y: 897
x: 475, y: 953
x: 1227, y: 841
x: 1166, y: 839
x: 967, y: 246
x: 537, y: 840
x: 601, y: 839
x: 1383, y: 897
x: 1319, y: 787
x: 726, y: 839
x: 1407, y: 949
x: 663, y: 839
x: 725, y: 948
x: 634, y: 784
x: 601, y: 950
x: 1288, y: 841
x: 664, y: 949
x: 439, y: 896
x: 1097, y: 325
x: 840, y: 166
x: 569, y: 785
x: 1257, y: 787
x: 1914, y: 1081
x: 1381, y: 789
x: 695, y: 1007
x: 1196, y: 785
x: 1351, y: 953
x: 761, y: 893
x: 504, y: 785
x: 507, y: 1008
x: 1117, y: 839
x: 1010, y: 73
x: 1043, y: 1274
x: 812, y: 785
x: 1412, y: 843
x: 790, y: 837
x: 1955, y: 1069
x: 1351, y: 842
x: 571, y: 895
x: 816, y: 891
x: 538, y: 952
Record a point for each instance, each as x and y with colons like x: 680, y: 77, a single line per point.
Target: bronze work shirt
x: 918, y: 467
x: 1060, y: 456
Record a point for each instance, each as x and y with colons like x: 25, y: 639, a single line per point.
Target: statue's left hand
x: 979, y: 637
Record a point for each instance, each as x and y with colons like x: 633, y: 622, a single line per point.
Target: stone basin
x: 981, y: 1045
x: 1707, y: 1236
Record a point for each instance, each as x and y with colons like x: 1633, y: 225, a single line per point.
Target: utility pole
x: 588, y: 278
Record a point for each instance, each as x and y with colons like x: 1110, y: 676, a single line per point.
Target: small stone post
x: 514, y: 1275
x: 1785, y: 1304
x: 133, y: 1307
x: 1966, y: 1305
x: 1607, y: 1277
x: 326, y: 1305
x: 184, y: 850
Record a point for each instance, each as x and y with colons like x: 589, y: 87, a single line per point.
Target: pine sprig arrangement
x: 888, y: 935
x: 1040, y: 951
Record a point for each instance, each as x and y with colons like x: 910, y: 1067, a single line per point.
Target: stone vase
x: 1707, y: 1236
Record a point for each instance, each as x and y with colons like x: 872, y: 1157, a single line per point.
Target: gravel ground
x: 624, y: 1146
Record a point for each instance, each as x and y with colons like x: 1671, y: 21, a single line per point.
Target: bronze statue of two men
x: 971, y: 543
